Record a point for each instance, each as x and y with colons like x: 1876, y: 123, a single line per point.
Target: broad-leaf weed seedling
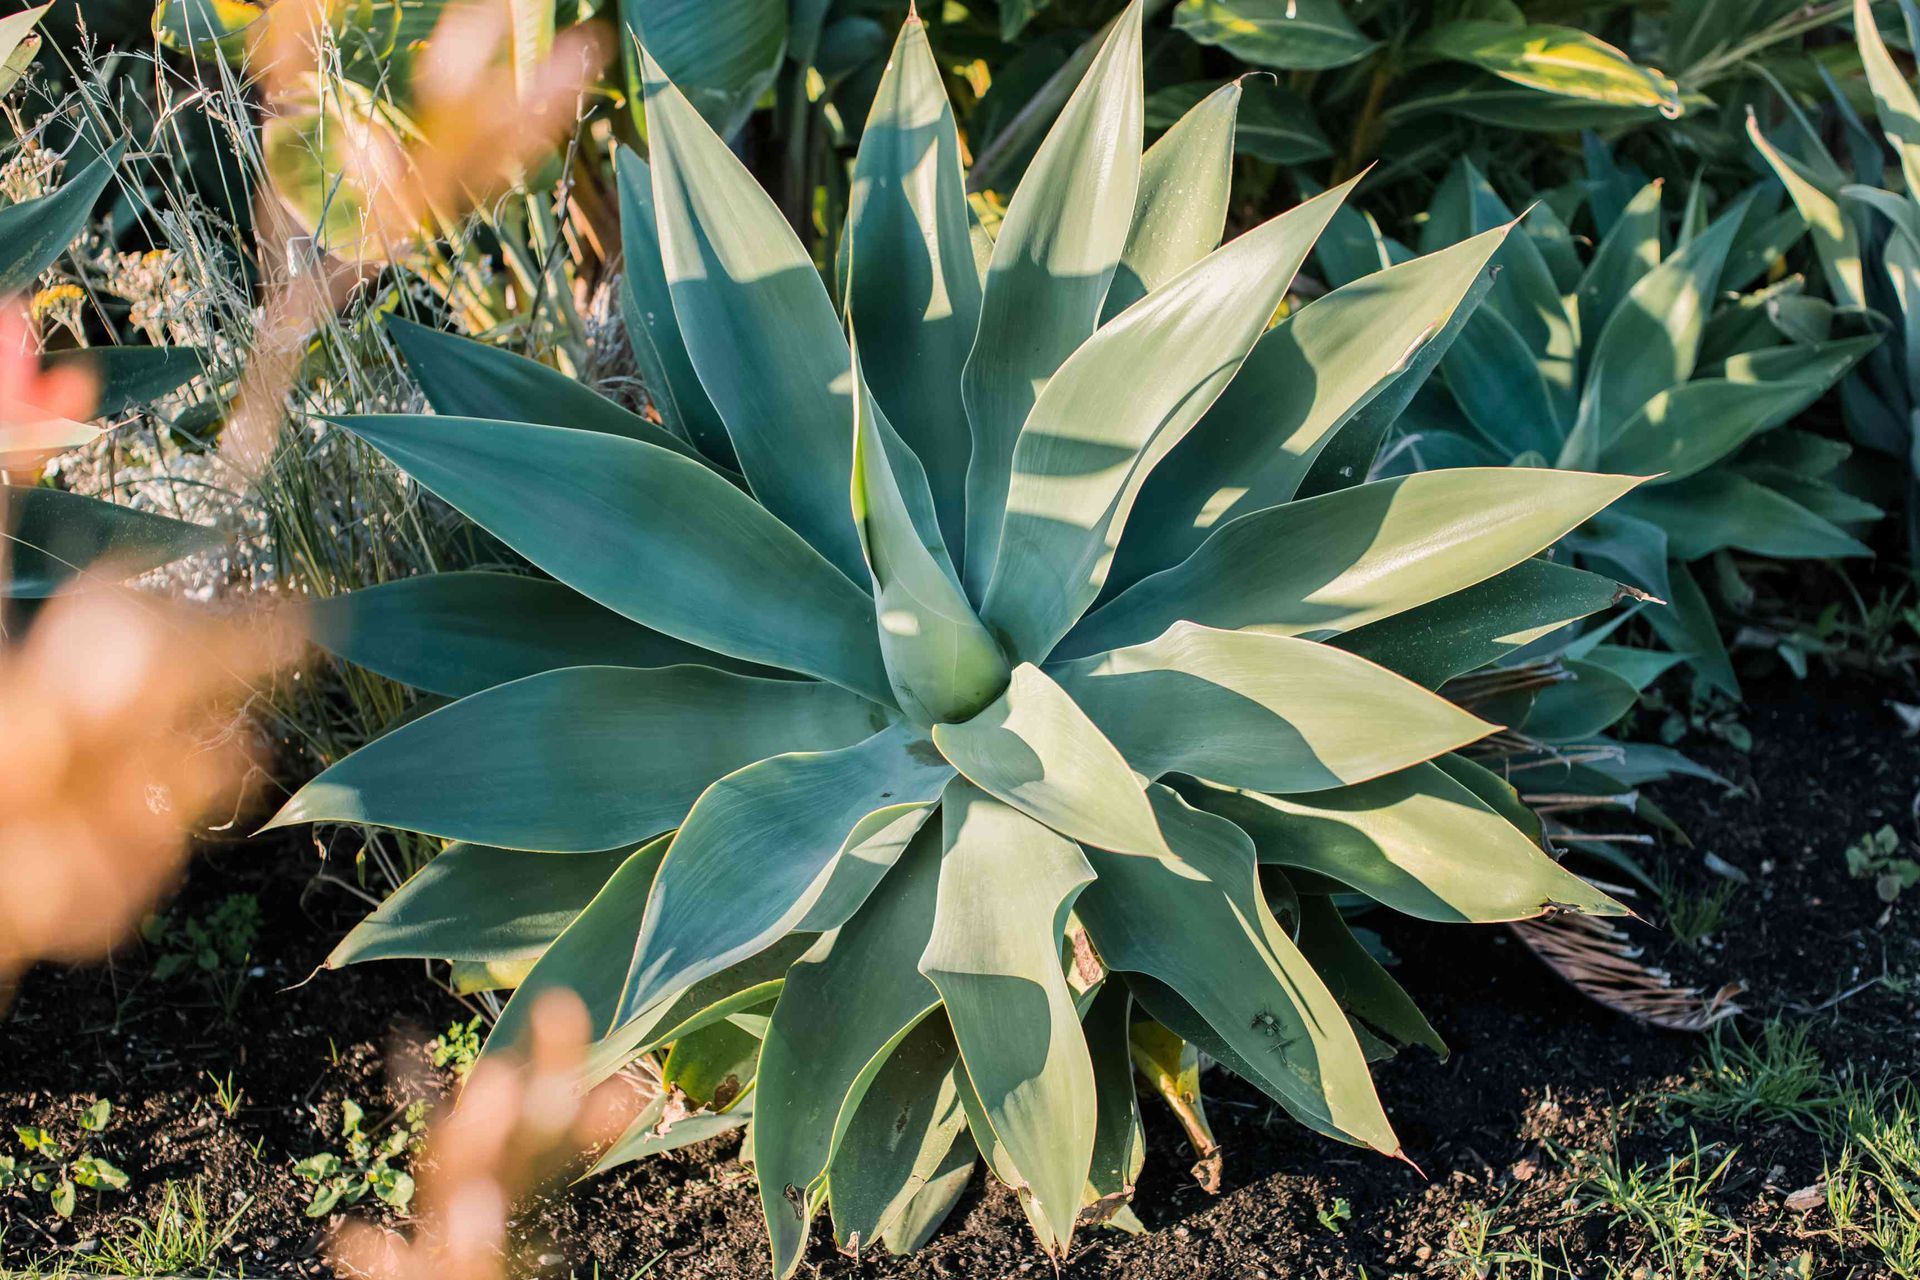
x: 457, y: 1047
x: 213, y: 949
x: 48, y: 1169
x: 1875, y: 857
x: 368, y: 1163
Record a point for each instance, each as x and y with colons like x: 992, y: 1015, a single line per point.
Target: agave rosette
x: 1641, y: 358
x: 907, y: 721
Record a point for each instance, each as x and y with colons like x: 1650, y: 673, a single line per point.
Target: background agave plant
x: 1632, y: 361
x: 910, y: 723
x: 1866, y: 240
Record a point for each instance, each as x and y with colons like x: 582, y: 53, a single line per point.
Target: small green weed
x: 366, y: 1164
x: 1694, y: 917
x: 213, y: 949
x: 1776, y: 1076
x: 458, y: 1047
x: 1665, y: 1211
x: 226, y: 1094
x: 1876, y: 857
x: 181, y: 1238
x: 47, y: 1168
x: 1335, y: 1216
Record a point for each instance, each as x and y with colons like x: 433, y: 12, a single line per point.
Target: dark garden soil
x: 1535, y: 1068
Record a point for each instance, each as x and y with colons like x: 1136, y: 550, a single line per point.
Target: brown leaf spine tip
x: 1624, y: 592
x: 1401, y: 1155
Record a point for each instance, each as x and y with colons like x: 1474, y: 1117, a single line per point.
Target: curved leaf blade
x: 1006, y: 885
x: 1053, y: 260
x: 916, y: 291
x: 741, y: 281
x: 472, y: 902
x: 1417, y: 841
x: 762, y: 848
x: 1250, y: 983
x: 1180, y: 211
x: 581, y: 759
x: 458, y: 633
x: 1335, y: 563
x: 588, y: 508
x: 1273, y: 713
x: 1037, y: 751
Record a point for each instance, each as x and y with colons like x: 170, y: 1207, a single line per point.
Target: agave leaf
x: 1563, y: 61
x: 940, y: 660
x: 577, y: 959
x: 652, y: 328
x: 1688, y: 428
x: 906, y: 1139
x: 1627, y: 547
x: 1720, y: 509
x: 1099, y: 428
x: 1836, y: 240
x: 33, y: 233
x: 467, y: 977
x: 761, y: 849
x: 458, y: 633
x: 1180, y: 211
x: 1292, y: 35
x: 473, y: 902
x: 1006, y: 885
x: 1172, y: 1067
x: 1274, y: 123
x: 742, y: 282
x: 652, y: 1133
x: 52, y: 536
x: 1304, y: 382
x: 720, y: 572
x: 1626, y: 254
x: 130, y: 377
x: 722, y: 54
x: 1496, y: 381
x: 1448, y: 637
x: 745, y: 985
x: 1582, y: 706
x: 1496, y: 793
x: 1364, y: 989
x: 1250, y: 983
x: 1337, y: 562
x: 1689, y: 628
x: 1651, y: 342
x: 714, y: 1066
x: 1893, y: 97
x: 917, y: 292
x: 1053, y: 260
x: 921, y: 1216
x: 577, y: 760
x: 1524, y: 291
x: 1273, y: 713
x: 1119, y: 1145
x: 844, y: 1008
x: 19, y: 42
x: 468, y: 379
x: 1417, y: 841
x: 1037, y: 751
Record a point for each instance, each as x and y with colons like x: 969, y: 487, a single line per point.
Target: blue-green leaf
x: 649, y: 534
x: 581, y: 759
x: 1006, y: 886
x: 1053, y: 260
x: 1274, y: 713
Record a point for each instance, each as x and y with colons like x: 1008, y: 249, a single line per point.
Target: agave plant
x: 1632, y: 361
x: 950, y: 694
x: 1867, y: 243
